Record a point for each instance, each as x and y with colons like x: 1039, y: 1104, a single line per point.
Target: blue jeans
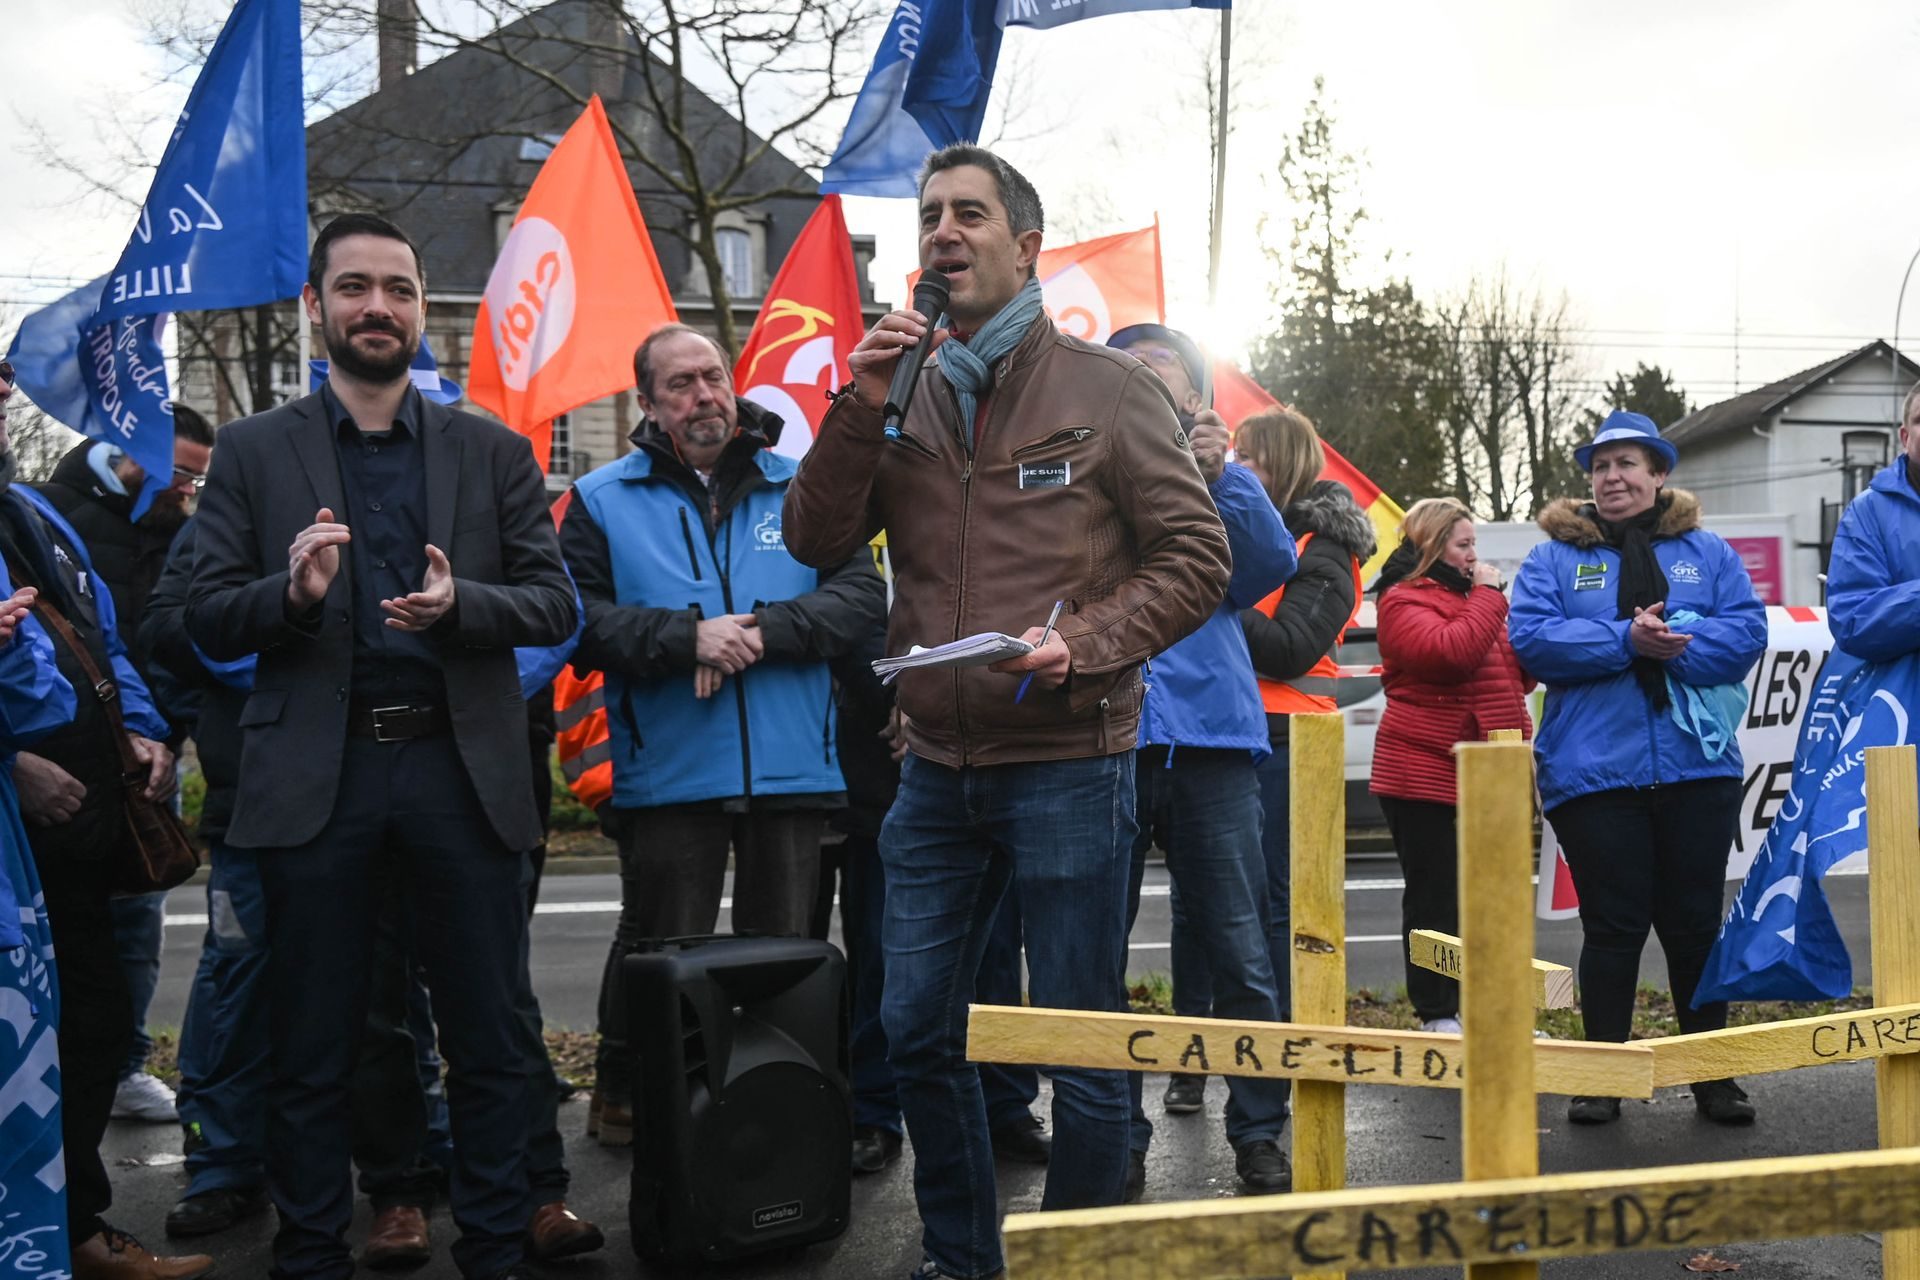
x: 1203, y: 807
x: 1192, y: 976
x: 1010, y: 1091
x: 1061, y: 831
x: 138, y: 923
x: 224, y: 1064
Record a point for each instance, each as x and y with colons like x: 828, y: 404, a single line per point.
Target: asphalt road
x: 1394, y: 1135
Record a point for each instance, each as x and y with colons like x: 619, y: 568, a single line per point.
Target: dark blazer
x: 486, y: 508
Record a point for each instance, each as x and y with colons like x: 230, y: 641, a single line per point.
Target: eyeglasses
x: 198, y: 479
x: 6, y: 372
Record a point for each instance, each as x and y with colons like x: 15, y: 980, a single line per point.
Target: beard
x: 163, y: 517
x: 376, y: 369
x: 9, y: 466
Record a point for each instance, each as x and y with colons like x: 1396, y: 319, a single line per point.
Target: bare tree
x: 715, y: 104
x: 1509, y: 370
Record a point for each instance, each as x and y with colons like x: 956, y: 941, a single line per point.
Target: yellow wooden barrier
x: 1785, y: 1046
x: 1557, y: 1216
x: 1302, y: 1053
x: 1893, y: 838
x: 1440, y: 953
x: 1498, y: 1109
x: 1317, y: 812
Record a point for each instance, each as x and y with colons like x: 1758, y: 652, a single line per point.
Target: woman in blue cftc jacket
x: 1643, y: 627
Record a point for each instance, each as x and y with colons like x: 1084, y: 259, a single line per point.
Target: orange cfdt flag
x: 1098, y: 286
x: 808, y: 327
x: 574, y: 290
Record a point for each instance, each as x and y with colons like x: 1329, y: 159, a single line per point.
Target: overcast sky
x: 1676, y: 169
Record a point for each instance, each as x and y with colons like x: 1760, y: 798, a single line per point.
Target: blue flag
x: 224, y: 225
x: 927, y: 89
x: 225, y: 222
x: 1057, y: 13
x: 930, y: 80
x: 33, y: 1172
x: 107, y: 380
x: 1779, y: 940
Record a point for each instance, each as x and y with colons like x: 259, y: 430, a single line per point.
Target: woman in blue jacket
x: 1643, y: 627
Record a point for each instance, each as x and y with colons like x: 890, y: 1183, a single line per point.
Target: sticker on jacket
x: 1589, y: 577
x: 1046, y: 475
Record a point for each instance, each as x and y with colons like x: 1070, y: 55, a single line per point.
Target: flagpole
x: 1220, y: 157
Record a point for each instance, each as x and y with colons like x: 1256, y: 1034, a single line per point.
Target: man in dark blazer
x: 383, y: 556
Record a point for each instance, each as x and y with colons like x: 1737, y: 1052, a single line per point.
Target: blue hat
x: 1199, y: 373
x: 424, y: 373
x: 1634, y: 428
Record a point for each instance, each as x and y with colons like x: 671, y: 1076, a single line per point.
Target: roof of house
x: 1752, y: 408
x: 444, y: 150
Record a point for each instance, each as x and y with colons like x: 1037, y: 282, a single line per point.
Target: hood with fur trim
x: 1572, y: 519
x: 1328, y: 510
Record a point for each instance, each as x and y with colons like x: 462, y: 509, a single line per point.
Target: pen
x: 1045, y: 634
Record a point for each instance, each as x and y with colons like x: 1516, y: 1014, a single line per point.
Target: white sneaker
x: 1444, y: 1026
x: 144, y: 1097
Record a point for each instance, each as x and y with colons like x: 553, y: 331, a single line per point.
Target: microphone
x: 929, y: 299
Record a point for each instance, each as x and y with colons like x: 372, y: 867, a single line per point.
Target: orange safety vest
x: 1312, y: 692
x: 586, y: 753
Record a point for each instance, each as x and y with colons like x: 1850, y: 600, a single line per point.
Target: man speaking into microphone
x: 1029, y: 468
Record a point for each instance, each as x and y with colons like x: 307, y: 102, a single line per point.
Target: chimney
x: 398, y: 26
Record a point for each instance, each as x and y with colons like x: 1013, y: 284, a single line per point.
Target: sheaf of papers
x: 973, y: 651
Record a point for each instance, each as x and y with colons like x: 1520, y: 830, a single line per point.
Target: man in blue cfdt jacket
x: 1873, y: 577
x: 1202, y: 731
x: 715, y: 643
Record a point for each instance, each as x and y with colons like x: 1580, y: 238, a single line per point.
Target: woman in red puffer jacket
x: 1450, y: 677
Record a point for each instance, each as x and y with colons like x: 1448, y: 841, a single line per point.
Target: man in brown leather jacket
x: 1032, y: 468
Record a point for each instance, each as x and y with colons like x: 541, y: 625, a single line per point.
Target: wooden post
x: 1317, y: 812
x: 1498, y: 1110
x: 1893, y: 887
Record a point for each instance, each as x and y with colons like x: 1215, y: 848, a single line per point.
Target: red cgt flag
x: 808, y: 327
x: 574, y: 290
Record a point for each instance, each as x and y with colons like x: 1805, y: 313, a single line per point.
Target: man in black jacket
x: 94, y: 487
x: 385, y: 731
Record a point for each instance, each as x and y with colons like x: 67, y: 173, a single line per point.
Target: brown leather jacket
x: 1082, y: 489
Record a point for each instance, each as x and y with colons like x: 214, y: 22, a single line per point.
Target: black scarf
x: 1406, y: 558
x: 1642, y: 585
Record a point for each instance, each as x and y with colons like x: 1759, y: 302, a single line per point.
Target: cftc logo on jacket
x: 1684, y: 571
x: 767, y: 535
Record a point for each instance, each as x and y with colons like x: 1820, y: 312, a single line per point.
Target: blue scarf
x: 969, y: 365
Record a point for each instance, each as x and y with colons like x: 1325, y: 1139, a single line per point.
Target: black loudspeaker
x: 743, y: 1120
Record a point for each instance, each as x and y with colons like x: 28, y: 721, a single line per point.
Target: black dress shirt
x: 383, y: 474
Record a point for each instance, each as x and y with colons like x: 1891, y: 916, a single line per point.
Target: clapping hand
x: 423, y: 608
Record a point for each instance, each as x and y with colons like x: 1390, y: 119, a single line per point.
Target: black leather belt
x: 397, y: 723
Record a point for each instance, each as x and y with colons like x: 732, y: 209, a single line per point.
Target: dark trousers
x: 1191, y: 975
x: 1648, y: 858
x: 673, y: 868
x: 96, y: 1024
x: 1201, y: 805
x: 408, y: 807
x: 1010, y: 1091
x: 1425, y: 840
